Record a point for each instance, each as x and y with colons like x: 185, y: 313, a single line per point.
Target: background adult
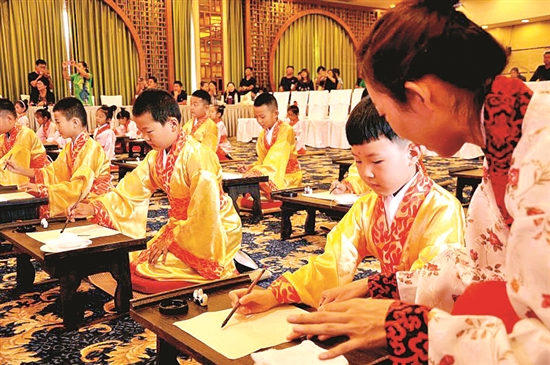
x: 542, y: 72
x: 289, y: 82
x: 248, y: 82
x: 40, y: 72
x: 82, y: 80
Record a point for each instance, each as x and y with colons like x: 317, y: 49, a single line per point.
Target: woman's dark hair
x: 45, y: 81
x: 108, y: 110
x: 44, y: 113
x: 219, y: 109
x: 123, y: 113
x: 430, y: 37
x: 85, y: 65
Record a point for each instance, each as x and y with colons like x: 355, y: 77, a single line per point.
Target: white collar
x: 392, y: 202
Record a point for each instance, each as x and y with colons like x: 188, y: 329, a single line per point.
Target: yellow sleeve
x: 63, y: 188
x: 20, y: 155
x: 273, y: 162
x: 210, y: 135
x: 343, y: 252
x: 126, y: 206
x: 353, y: 181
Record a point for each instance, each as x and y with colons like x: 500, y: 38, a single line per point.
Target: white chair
x: 356, y: 97
x: 111, y: 100
x: 317, y: 126
x: 282, y: 102
x: 339, y: 103
x: 25, y: 97
x: 300, y: 98
x: 247, y: 129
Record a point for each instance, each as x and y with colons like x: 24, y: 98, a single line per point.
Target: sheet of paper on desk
x: 345, y: 199
x: 14, y: 196
x: 243, y: 334
x: 231, y: 175
x: 89, y: 232
x: 306, y: 352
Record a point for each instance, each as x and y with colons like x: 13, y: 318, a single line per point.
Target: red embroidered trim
x: 75, y: 148
x: 200, y: 122
x: 166, y: 173
x: 38, y: 176
x: 207, y: 268
x: 389, y: 241
x: 505, y: 107
x: 10, y: 142
x: 101, y: 129
x: 407, y: 333
x: 382, y: 286
x: 283, y: 291
x: 102, y: 184
x: 274, y: 135
x: 178, y: 208
x: 39, y: 161
x: 101, y: 216
x: 44, y: 211
x: 292, y: 166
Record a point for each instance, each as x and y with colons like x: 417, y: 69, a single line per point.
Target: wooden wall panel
x: 267, y: 17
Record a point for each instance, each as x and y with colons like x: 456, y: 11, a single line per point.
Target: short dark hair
x: 201, y: 94
x: 159, y: 103
x: 366, y: 125
x: 266, y: 99
x: 40, y: 62
x: 8, y: 107
x: 290, y: 66
x: 45, y: 81
x: 123, y: 113
x: 321, y: 68
x: 248, y: 68
x: 178, y: 83
x: 203, y: 83
x: 547, y: 52
x: 294, y: 109
x: 152, y: 78
x: 84, y: 64
x: 336, y: 71
x: 72, y: 108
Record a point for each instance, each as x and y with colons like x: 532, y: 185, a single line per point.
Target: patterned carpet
x: 31, y: 330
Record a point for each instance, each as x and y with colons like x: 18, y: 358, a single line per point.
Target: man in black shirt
x: 543, y: 71
x: 288, y: 82
x: 248, y: 83
x: 40, y: 71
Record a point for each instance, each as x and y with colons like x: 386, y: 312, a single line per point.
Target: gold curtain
x: 326, y: 44
x: 29, y: 30
x: 235, y: 30
x: 100, y: 38
x: 182, y: 13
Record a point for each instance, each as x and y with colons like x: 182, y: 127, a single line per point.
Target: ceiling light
x: 525, y: 21
x: 484, y: 26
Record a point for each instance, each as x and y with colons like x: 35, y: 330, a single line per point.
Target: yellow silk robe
x: 353, y: 181
x: 205, y: 131
x: 278, y: 159
x: 23, y: 147
x: 81, y: 166
x: 204, y: 230
x: 428, y: 219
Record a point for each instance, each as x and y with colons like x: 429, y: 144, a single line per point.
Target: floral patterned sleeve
x: 383, y: 286
x: 407, y: 333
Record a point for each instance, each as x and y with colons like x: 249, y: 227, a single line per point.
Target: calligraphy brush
x: 6, y: 164
x: 68, y: 215
x: 247, y: 292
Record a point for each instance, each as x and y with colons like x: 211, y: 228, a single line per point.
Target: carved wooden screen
x: 211, y: 41
x: 149, y: 18
x: 267, y: 17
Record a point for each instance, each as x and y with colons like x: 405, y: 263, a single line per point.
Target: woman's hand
x: 362, y: 320
x: 355, y: 289
x: 258, y: 300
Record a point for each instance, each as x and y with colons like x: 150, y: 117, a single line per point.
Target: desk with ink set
x: 172, y: 339
x: 17, y: 205
x: 99, y: 250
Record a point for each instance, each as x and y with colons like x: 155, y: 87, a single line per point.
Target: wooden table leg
x: 166, y: 353
x: 310, y: 221
x: 25, y: 272
x: 71, y: 307
x: 459, y: 189
x: 120, y: 269
x: 257, y: 203
x: 286, y: 224
x: 234, y: 194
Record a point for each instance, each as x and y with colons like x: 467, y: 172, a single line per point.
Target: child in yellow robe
x: 203, y: 232
x: 201, y: 127
x: 276, y: 149
x: 18, y: 145
x: 80, y: 171
x: 404, y: 224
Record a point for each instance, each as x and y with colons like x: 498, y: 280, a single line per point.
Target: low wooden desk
x: 143, y: 146
x: 244, y: 185
x: 471, y: 177
x: 20, y: 209
x: 293, y: 204
x: 124, y: 166
x: 122, y: 141
x: 343, y: 166
x: 171, y: 339
x: 105, y: 254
